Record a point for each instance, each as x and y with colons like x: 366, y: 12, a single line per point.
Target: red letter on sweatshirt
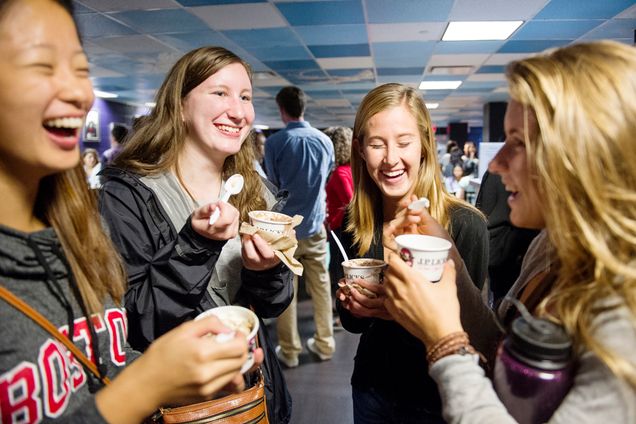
x: 20, y: 395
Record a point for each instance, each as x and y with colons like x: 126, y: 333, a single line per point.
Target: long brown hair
x: 367, y: 196
x: 65, y: 202
x: 155, y: 146
x: 583, y: 98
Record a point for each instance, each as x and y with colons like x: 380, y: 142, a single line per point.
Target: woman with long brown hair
x: 55, y: 257
x: 164, y: 186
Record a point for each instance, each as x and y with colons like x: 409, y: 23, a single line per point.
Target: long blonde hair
x: 154, y: 147
x: 363, y: 209
x: 584, y: 100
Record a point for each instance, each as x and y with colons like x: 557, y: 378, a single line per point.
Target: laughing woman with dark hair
x: 55, y: 257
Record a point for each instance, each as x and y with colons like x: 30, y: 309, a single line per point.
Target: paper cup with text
x: 427, y: 254
x: 272, y: 222
x: 237, y: 318
x: 367, y: 269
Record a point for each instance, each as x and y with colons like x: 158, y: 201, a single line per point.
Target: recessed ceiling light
x: 432, y: 105
x: 104, y: 94
x: 439, y: 85
x: 450, y: 70
x: 150, y: 104
x: 484, y: 30
x: 261, y: 127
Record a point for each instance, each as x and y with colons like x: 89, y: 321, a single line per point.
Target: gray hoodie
x: 40, y: 380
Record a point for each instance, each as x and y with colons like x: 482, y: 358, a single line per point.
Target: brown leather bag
x: 241, y: 408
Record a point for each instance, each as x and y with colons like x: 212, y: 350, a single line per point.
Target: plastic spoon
x: 344, y: 254
x: 421, y: 203
x: 233, y: 185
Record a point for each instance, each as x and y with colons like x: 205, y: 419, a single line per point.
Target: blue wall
x: 109, y: 112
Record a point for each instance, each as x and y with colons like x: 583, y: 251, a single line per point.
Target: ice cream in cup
x: 427, y: 254
x: 237, y: 318
x: 272, y: 222
x: 368, y: 269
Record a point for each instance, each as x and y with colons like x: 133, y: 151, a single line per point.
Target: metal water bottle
x: 533, y: 368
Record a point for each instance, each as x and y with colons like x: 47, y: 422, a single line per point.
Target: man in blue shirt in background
x: 298, y: 159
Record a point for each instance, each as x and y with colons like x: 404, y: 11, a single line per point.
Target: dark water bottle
x: 533, y: 368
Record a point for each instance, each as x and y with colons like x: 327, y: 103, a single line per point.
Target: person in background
x: 393, y: 161
x: 92, y: 166
x: 453, y: 183
x: 118, y: 134
x: 339, y: 190
x: 579, y: 271
x: 158, y: 197
x: 298, y: 159
x: 56, y: 258
x: 258, y: 143
x: 445, y: 158
x: 470, y: 160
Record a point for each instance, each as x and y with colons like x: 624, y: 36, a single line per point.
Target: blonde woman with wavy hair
x: 569, y: 126
x: 394, y: 161
x: 158, y: 198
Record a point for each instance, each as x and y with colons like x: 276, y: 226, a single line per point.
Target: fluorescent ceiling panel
x: 439, y: 85
x: 483, y: 30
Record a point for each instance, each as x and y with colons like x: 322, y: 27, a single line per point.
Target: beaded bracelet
x: 450, y: 344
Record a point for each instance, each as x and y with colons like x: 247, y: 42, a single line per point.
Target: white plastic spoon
x: 344, y: 254
x: 233, y: 185
x: 421, y: 203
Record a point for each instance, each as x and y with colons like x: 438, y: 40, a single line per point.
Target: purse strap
x: 39, y: 319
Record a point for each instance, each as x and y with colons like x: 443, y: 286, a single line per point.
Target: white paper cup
x: 369, y: 270
x: 272, y: 222
x: 240, y: 319
x: 427, y: 254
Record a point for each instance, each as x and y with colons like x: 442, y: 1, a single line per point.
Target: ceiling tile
x: 403, y: 55
x: 265, y: 37
x: 94, y: 25
x: 261, y: 15
x: 421, y: 31
x: 384, y: 12
x: 615, y: 28
x: 191, y: 40
x: 467, y: 47
x: 119, y: 5
x: 486, y: 77
x: 341, y: 50
x: 160, y: 21
x: 530, y: 46
x: 555, y: 30
x: 332, y: 34
x: 345, y: 62
x: 502, y: 59
x: 457, y: 59
x: 506, y: 10
x: 583, y: 9
x: 131, y: 44
x: 322, y: 13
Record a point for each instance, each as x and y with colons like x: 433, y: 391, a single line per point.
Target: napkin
x: 284, y: 245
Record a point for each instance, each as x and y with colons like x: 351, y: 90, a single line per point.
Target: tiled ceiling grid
x: 337, y: 50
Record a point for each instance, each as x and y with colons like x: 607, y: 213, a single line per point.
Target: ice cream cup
x: 427, y: 254
x: 367, y: 269
x: 237, y: 318
x: 272, y: 222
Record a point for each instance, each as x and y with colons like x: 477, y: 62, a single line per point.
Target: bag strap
x: 39, y: 319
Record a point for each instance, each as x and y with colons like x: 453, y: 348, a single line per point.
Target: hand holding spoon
x: 233, y: 185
